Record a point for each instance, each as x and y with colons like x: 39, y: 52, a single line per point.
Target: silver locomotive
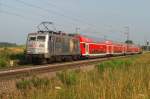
x: 49, y: 46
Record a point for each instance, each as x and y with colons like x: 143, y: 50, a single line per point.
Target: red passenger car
x: 118, y: 48
x: 91, y: 48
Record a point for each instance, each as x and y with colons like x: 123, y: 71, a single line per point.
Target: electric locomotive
x: 48, y: 46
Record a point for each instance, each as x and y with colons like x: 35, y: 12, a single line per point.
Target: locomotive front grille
x: 35, y: 51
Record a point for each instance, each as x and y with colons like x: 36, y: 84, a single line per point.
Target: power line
x: 22, y: 17
x: 16, y: 8
x: 61, y: 9
x: 54, y: 12
x: 59, y: 14
x: 44, y: 9
x: 41, y: 8
x: 15, y: 14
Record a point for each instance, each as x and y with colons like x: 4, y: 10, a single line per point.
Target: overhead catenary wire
x: 16, y: 14
x: 49, y: 11
x: 91, y: 25
x: 3, y: 10
x: 23, y: 16
x: 73, y: 17
x: 16, y: 9
x: 45, y: 9
x: 74, y: 20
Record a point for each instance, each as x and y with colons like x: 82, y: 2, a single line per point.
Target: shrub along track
x: 25, y: 71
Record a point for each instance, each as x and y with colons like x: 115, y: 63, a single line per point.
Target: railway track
x: 51, y: 67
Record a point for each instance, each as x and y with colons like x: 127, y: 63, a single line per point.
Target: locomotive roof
x: 54, y: 33
x: 89, y: 40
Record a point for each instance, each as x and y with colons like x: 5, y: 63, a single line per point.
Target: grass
x: 68, y: 78
x: 127, y: 78
x: 7, y: 55
x: 34, y: 82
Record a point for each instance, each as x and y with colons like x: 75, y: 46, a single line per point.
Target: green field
x: 127, y: 78
x: 9, y: 55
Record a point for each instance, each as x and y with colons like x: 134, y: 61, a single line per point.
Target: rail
x: 52, y: 67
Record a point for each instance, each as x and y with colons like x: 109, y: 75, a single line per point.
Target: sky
x: 95, y: 18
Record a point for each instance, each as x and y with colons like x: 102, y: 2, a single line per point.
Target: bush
x: 8, y: 54
x: 113, y: 64
x: 68, y: 77
x: 3, y: 62
x: 4, y: 57
x: 5, y: 53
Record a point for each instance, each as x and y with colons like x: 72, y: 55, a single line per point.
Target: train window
x: 41, y: 38
x: 50, y: 38
x: 32, y: 38
x: 83, y: 45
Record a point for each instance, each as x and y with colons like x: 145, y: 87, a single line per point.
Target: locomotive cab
x: 37, y: 46
x: 51, y: 46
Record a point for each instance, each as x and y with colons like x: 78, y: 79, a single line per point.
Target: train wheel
x: 65, y: 59
x: 68, y: 58
x: 35, y: 61
x: 39, y: 61
x: 78, y: 57
x: 43, y: 61
x: 50, y: 60
x: 28, y: 60
x: 58, y: 59
x: 75, y: 58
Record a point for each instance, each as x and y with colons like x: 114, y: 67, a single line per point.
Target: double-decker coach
x: 90, y: 48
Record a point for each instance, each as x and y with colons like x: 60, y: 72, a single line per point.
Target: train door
x: 51, y: 45
x: 86, y: 48
x: 109, y: 49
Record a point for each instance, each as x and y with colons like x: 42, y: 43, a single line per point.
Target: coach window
x: 84, y: 45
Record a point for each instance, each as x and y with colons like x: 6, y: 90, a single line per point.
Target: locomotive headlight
x: 28, y: 51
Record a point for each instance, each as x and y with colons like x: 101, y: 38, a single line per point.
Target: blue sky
x: 96, y: 18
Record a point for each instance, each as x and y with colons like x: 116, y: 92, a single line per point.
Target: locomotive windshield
x: 41, y: 38
x: 38, y: 38
x: 32, y: 38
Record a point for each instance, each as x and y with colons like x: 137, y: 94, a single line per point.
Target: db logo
x: 32, y: 45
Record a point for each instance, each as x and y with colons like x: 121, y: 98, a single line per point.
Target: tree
x: 129, y: 42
